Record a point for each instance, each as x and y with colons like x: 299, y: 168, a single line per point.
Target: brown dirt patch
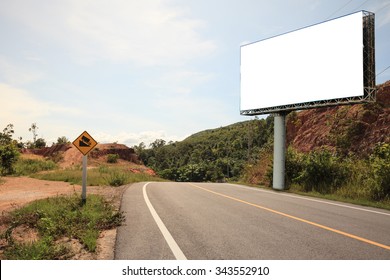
x: 18, y: 191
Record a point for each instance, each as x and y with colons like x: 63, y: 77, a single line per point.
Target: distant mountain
x: 243, y: 151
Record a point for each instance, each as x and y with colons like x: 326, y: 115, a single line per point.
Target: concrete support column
x: 279, y: 151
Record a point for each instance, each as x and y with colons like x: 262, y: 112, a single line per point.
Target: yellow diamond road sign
x: 85, y: 143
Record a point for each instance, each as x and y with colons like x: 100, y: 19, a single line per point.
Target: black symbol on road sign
x: 85, y: 142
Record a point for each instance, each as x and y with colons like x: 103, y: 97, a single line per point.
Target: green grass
x: 383, y: 204
x: 58, y: 217
x: 25, y: 167
x: 101, y: 176
x: 296, y: 189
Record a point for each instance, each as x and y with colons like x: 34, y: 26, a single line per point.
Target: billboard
x: 330, y: 63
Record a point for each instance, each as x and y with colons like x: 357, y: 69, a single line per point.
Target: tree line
x: 211, y: 155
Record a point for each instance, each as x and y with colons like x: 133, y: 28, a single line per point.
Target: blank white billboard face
x: 320, y: 62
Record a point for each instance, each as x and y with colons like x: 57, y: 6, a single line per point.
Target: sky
x: 131, y: 71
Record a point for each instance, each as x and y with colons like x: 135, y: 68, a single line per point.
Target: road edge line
x: 318, y: 200
x: 352, y: 236
x: 177, y: 252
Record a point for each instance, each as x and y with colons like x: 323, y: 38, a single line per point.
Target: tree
x: 8, y: 151
x: 6, y: 136
x: 40, y: 143
x: 158, y: 143
x: 140, y: 148
x: 62, y: 140
x: 34, y: 129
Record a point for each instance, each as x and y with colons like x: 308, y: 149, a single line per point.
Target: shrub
x: 117, y: 178
x: 8, y: 156
x: 112, y: 158
x: 8, y: 151
x: 322, y: 172
x: 380, y: 169
x: 295, y: 164
x: 58, y: 217
x: 25, y: 167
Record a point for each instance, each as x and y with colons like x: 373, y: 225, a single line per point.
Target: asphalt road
x: 223, y: 221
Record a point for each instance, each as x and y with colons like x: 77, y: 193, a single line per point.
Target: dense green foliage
x: 112, y: 158
x: 350, y: 177
x: 211, y: 155
x: 24, y: 167
x: 237, y: 152
x: 9, y: 152
x: 58, y: 217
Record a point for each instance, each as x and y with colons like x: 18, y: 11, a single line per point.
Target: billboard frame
x: 369, y: 87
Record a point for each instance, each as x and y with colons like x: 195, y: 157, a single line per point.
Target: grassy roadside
x: 103, y: 175
x: 48, y: 229
x: 362, y: 201
x: 52, y: 220
x: 384, y: 204
x: 100, y: 176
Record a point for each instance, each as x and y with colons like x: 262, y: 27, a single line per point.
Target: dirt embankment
x: 357, y: 128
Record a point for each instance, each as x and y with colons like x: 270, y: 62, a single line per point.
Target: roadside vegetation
x: 243, y: 153
x: 359, y: 180
x: 53, y: 220
x: 26, y: 167
x: 48, y: 229
x: 214, y: 155
x: 103, y: 175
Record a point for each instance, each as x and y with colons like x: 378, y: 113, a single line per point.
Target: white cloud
x: 131, y: 139
x: 21, y: 109
x: 143, y: 32
x: 17, y: 74
x: 19, y: 101
x: 179, y: 81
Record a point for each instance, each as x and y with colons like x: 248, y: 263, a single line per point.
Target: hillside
x: 244, y: 150
x: 355, y: 128
x: 67, y: 155
x: 211, y: 155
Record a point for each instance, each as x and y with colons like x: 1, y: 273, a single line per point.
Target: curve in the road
x: 297, y: 218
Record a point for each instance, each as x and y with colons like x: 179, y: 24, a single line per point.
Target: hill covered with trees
x: 211, y: 155
x: 343, y: 150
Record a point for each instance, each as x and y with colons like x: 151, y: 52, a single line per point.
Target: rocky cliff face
x: 355, y: 128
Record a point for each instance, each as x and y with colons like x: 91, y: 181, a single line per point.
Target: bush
x: 319, y: 171
x: 117, y: 178
x: 8, y: 151
x: 295, y: 164
x: 112, y: 158
x: 25, y: 167
x: 380, y: 170
x: 58, y: 217
x: 8, y: 156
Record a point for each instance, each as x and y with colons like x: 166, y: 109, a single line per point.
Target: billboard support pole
x: 279, y: 151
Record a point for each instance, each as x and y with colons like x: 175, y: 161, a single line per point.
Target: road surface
x: 211, y: 221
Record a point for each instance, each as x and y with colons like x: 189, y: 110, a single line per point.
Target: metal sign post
x: 84, y: 184
x: 84, y: 143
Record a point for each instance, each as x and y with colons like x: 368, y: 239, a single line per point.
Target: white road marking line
x: 310, y: 199
x: 368, y: 241
x: 165, y: 232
